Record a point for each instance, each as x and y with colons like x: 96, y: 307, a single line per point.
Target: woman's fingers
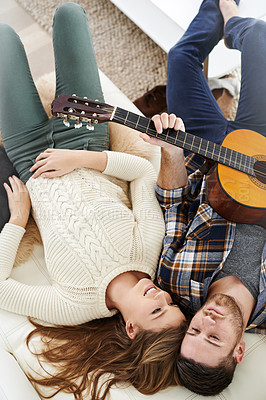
x: 44, y: 154
x: 38, y: 164
x: 40, y: 171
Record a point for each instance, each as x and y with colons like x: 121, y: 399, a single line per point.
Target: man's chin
x: 222, y: 300
x: 226, y: 305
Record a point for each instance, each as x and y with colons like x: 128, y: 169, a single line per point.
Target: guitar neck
x: 187, y: 141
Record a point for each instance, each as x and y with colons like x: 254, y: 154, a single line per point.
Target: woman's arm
x: 57, y: 162
x: 42, y: 302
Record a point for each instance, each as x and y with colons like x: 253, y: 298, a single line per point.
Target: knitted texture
x: 91, y: 233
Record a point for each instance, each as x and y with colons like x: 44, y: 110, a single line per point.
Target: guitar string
x: 249, y: 168
x: 261, y: 172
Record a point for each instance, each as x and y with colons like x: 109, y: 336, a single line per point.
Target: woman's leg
x: 188, y: 94
x: 76, y: 72
x: 249, y: 36
x: 24, y: 125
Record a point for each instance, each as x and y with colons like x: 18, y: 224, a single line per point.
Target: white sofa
x: 250, y: 376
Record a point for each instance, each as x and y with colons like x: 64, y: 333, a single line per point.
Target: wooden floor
x: 37, y: 42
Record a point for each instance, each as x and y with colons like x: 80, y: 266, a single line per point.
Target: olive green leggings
x: 25, y: 127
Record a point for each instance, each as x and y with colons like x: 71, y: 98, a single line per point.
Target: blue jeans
x: 25, y: 127
x: 188, y: 94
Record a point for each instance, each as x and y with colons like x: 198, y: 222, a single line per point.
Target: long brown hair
x: 91, y: 357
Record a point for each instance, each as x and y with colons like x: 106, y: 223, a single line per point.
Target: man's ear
x: 131, y: 330
x: 239, y: 352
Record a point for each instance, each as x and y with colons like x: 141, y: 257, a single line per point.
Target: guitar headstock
x: 81, y: 110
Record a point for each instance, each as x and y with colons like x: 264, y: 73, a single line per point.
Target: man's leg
x: 249, y: 36
x: 188, y: 94
x: 24, y: 125
x: 76, y: 73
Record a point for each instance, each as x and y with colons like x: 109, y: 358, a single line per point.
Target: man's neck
x: 232, y: 286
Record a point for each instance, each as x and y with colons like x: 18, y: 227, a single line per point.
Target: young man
x: 212, y: 266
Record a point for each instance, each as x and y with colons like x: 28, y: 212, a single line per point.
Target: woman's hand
x: 55, y: 162
x: 18, y: 201
x: 165, y: 121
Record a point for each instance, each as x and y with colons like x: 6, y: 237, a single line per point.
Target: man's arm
x: 172, y: 174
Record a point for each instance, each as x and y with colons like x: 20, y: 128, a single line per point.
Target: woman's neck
x: 117, y: 289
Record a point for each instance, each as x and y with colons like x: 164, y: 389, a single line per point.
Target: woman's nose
x: 160, y: 295
x: 208, y: 321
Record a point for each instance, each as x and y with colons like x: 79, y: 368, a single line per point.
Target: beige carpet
x: 124, y: 53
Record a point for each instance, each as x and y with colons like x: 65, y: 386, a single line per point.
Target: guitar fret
x: 137, y: 121
x: 126, y: 118
x: 213, y: 150
x: 200, y: 145
x: 187, y: 141
x: 230, y: 158
x: 206, y: 151
x: 148, y: 126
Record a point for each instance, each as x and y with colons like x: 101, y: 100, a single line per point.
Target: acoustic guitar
x: 236, y: 184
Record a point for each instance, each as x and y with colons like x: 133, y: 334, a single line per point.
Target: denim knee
x: 249, y: 29
x: 68, y: 10
x: 179, y: 57
x: 257, y: 32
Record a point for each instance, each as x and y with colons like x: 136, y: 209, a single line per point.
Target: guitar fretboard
x: 187, y: 141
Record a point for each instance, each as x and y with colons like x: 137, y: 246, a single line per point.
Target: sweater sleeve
x: 145, y: 207
x: 42, y: 302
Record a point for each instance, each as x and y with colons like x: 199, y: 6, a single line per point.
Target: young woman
x: 101, y: 250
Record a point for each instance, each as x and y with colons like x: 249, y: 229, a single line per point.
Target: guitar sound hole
x: 260, y: 171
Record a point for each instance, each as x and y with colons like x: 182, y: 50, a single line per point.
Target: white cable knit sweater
x: 90, y: 236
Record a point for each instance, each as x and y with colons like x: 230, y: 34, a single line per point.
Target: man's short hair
x: 204, y: 380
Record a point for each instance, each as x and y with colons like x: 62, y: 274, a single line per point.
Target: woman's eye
x: 172, y: 304
x: 156, y: 310
x: 214, y: 337
x: 196, y: 330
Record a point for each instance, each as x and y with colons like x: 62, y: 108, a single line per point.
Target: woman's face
x: 151, y: 308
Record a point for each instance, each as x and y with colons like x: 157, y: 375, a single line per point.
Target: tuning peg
x: 78, y: 124
x: 66, y: 122
x: 89, y: 126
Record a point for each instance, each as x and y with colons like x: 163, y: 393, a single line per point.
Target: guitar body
x: 235, y: 195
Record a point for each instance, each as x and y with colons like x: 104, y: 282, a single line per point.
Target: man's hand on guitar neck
x: 173, y: 174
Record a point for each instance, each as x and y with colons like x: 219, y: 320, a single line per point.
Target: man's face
x: 214, y: 331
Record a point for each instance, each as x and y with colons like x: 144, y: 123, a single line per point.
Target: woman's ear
x: 131, y: 330
x: 239, y: 352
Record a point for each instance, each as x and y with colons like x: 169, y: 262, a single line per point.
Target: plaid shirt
x: 196, y: 245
